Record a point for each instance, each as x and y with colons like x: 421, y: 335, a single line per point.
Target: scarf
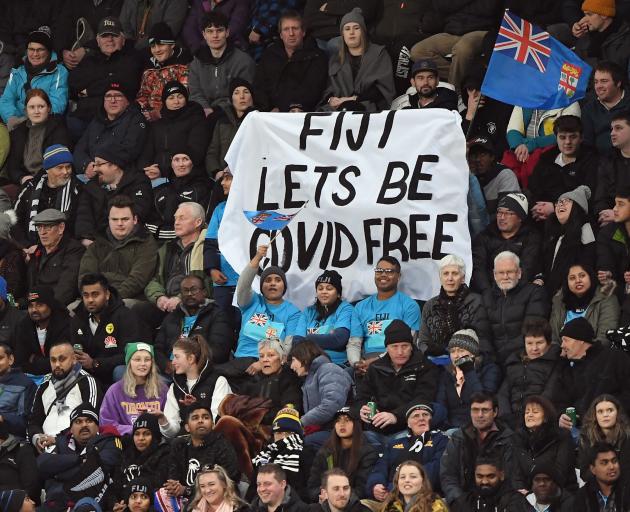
x: 34, y: 147
x: 63, y: 386
x: 448, y: 317
x: 286, y: 452
x: 63, y: 200
x: 202, y: 506
x: 580, y: 304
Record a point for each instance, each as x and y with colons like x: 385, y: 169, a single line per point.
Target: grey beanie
x: 354, y: 16
x: 466, y: 339
x: 273, y: 270
x: 580, y: 195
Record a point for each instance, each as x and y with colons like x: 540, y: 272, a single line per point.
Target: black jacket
x: 548, y: 445
x: 92, y: 209
x: 586, y: 498
x: 10, y: 318
x: 55, y: 133
x: 324, y: 461
x: 613, y: 174
x: 396, y: 391
x: 118, y: 326
x: 613, y: 251
x: 457, y: 470
x: 601, y: 370
x: 186, y: 460
x: 524, y: 378
x: 168, y: 196
x: 177, y: 129
x: 203, y: 389
x: 125, y: 135
x: 325, y: 24
x: 506, y: 500
x: 28, y: 354
x: 526, y: 244
x: 463, y: 16
x: 540, y: 12
x: 508, y: 311
x: 94, y: 74
x: 17, y: 461
x: 445, y: 98
x: 354, y: 505
x: 290, y: 503
x: 280, y: 81
x: 59, y: 269
x: 211, y: 322
x: 549, y: 181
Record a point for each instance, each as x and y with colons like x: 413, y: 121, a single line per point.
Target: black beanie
x: 273, y: 270
x: 173, y: 87
x: 139, y: 484
x: 579, y: 329
x: 240, y: 82
x: 109, y: 154
x: 41, y: 36
x: 330, y: 277
x: 161, y: 33
x: 398, y: 332
x: 84, y: 410
x: 548, y: 469
x: 45, y: 295
x: 148, y: 421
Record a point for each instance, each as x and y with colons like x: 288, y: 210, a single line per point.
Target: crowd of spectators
x: 129, y: 380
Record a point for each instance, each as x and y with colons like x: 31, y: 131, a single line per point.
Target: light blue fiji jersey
x: 213, y: 232
x: 262, y: 320
x: 308, y: 325
x: 372, y: 316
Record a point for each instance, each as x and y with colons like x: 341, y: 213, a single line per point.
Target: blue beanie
x: 3, y: 288
x: 56, y: 155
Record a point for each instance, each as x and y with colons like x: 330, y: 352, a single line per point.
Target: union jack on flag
x: 261, y: 217
x: 374, y: 327
x: 523, y: 42
x: 259, y: 319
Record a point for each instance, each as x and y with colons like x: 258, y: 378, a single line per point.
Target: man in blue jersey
x: 374, y: 314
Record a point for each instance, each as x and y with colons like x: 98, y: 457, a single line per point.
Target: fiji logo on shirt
x: 374, y: 327
x: 259, y: 319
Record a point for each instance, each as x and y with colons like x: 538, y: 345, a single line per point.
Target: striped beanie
x: 288, y: 420
x: 466, y: 339
x: 56, y: 155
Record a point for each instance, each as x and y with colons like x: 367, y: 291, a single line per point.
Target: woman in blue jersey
x: 328, y: 321
x: 265, y: 314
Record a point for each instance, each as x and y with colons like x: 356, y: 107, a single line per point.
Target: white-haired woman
x: 454, y: 308
x: 140, y: 389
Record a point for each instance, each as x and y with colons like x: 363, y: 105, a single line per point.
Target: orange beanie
x: 602, y: 7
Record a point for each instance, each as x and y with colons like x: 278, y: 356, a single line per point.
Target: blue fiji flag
x: 269, y: 219
x: 531, y: 69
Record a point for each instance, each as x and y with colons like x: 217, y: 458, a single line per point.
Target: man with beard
x: 337, y: 494
x: 80, y: 462
x: 607, y: 492
x: 126, y: 255
x: 101, y: 328
x: 274, y: 493
x: 195, y: 314
x: 491, y: 492
x: 375, y: 313
x: 424, y: 78
x: 56, y: 259
x: 510, y: 302
x: 547, y: 495
x: 495, y: 179
x: 46, y: 324
x: 202, y: 447
x: 67, y: 387
x: 57, y: 187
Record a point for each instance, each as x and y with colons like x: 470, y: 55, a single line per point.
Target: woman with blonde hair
x: 141, y: 389
x: 215, y: 492
x: 412, y: 491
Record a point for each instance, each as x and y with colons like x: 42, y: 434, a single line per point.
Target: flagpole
x: 474, y: 115
x: 294, y: 216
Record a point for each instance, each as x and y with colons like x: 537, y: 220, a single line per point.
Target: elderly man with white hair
x: 454, y: 308
x: 176, y: 259
x: 510, y: 302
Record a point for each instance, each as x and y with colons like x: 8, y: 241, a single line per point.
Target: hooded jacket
x: 504, y: 500
x: 58, y: 269
x: 53, y: 79
x: 175, y: 130
x: 211, y: 322
x: 396, y: 391
x: 127, y: 264
x: 118, y: 326
x: 457, y: 469
x: 92, y: 209
x: 29, y: 355
x: 508, y: 311
x: 526, y: 244
x: 222, y: 136
x: 282, y: 81
x: 209, y: 78
x: 157, y: 74
x: 125, y: 135
x: 16, y: 399
x: 17, y: 461
x: 586, y: 498
x: 613, y: 174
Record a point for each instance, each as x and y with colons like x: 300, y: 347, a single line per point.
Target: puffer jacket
x: 508, y: 311
x: 53, y: 79
x: 324, y: 392
x: 16, y: 400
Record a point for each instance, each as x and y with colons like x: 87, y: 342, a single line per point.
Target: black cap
x: 109, y: 25
x: 345, y: 411
x: 44, y: 295
x: 398, y: 332
x: 481, y: 142
x: 424, y: 65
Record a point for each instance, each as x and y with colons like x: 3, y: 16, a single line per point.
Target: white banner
x: 390, y: 183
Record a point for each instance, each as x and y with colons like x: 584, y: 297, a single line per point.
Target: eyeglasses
x: 190, y: 291
x: 114, y: 97
x: 386, y: 271
x: 505, y: 213
x: 36, y: 50
x: 100, y: 164
x: 563, y: 202
x: 45, y: 227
